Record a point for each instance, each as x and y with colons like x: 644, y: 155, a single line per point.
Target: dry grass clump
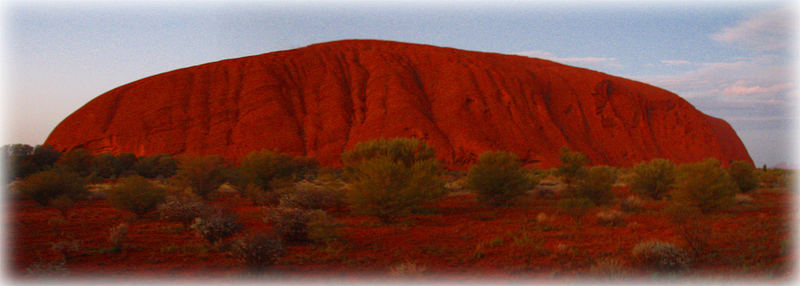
x: 116, y: 235
x: 406, y: 269
x: 611, y: 218
x: 632, y: 204
x: 661, y: 257
x: 742, y: 199
x: 611, y: 268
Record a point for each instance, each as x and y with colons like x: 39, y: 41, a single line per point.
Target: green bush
x: 46, y: 186
x: 497, y: 178
x: 136, y: 194
x: 743, y: 174
x: 596, y: 184
x: 660, y: 257
x: 391, y: 178
x: 654, y: 178
x: 704, y: 185
x: 161, y: 165
x: 202, y: 175
x: 572, y: 166
x: 258, y: 251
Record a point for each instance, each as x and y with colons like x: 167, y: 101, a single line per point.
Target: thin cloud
x: 589, y: 62
x: 676, y: 62
x: 768, y: 31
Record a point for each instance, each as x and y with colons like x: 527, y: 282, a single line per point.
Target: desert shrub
x: 632, y: 204
x: 116, y: 235
x: 78, y: 160
x: 391, y: 178
x: 305, y: 195
x: 269, y: 170
x: 407, y: 151
x: 67, y: 248
x: 160, y: 165
x: 575, y: 207
x: 104, y: 165
x: 258, y: 251
x: 216, y: 226
x: 660, y: 257
x: 48, y: 269
x: 136, y: 194
x: 704, y: 185
x: 45, y: 186
x: 290, y: 224
x: 610, y: 217
x: 497, y: 178
x: 743, y: 174
x: 322, y: 229
x: 572, y: 166
x: 183, y: 210
x: 694, y: 232
x: 202, y: 175
x: 653, y: 178
x: 261, y: 197
x: 596, y: 184
x: 62, y: 203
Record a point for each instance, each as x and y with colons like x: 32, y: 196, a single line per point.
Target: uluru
x: 323, y: 99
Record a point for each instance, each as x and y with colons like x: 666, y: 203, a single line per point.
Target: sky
x: 730, y: 59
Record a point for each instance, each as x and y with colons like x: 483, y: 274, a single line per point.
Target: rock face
x: 323, y: 99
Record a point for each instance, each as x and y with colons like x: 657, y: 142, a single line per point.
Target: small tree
x: 705, y: 185
x: 653, y: 178
x: 44, y: 156
x: 390, y: 178
x: 202, y: 175
x: 161, y: 165
x: 125, y: 164
x: 596, y: 185
x: 743, y: 174
x: 136, y: 194
x: 266, y: 169
x: 78, y: 160
x: 497, y: 178
x: 572, y: 166
x: 103, y: 165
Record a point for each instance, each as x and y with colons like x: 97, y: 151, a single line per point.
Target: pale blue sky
x: 730, y: 59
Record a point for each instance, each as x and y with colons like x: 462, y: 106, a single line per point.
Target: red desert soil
x: 322, y: 99
x: 747, y: 240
